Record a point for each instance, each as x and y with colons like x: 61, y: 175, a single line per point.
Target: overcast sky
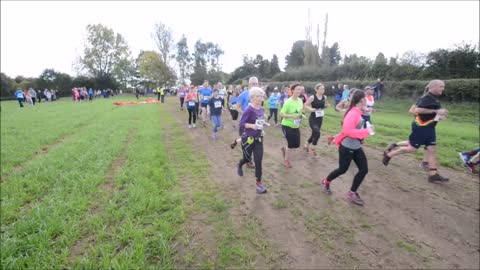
x: 37, y: 35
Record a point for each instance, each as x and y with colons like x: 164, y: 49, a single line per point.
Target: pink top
x: 349, y: 127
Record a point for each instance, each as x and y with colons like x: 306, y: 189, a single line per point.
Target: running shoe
x: 233, y: 144
x: 239, y: 170
x: 283, y: 152
x: 386, y: 158
x: 330, y: 139
x: 287, y: 164
x: 214, y: 136
x: 464, y: 157
x: 391, y: 146
x: 424, y: 165
x: 261, y: 188
x: 437, y: 178
x: 471, y: 168
x: 353, y: 197
x: 189, y: 126
x: 326, y: 187
x: 251, y: 165
x: 194, y: 126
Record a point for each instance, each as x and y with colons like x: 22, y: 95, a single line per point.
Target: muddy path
x: 406, y: 222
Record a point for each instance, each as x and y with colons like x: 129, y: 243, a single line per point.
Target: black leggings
x: 274, y: 113
x: 315, y: 124
x: 345, y: 157
x: 192, y: 113
x: 181, y: 102
x: 234, y: 114
x: 257, y: 149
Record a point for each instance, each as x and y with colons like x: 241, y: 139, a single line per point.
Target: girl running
x: 192, y: 101
x: 252, y: 121
x: 316, y: 104
x: 349, y: 142
x: 273, y: 102
x: 292, y: 116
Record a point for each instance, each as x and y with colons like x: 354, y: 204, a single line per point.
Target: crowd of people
x: 31, y: 96
x: 289, y: 107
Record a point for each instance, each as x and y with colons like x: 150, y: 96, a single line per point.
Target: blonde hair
x: 254, y: 91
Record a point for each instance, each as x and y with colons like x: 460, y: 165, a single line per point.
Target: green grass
x: 62, y: 208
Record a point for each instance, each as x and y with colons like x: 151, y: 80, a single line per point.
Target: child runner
x: 292, y: 116
x: 251, y: 123
x: 273, y: 105
x: 216, y: 107
x: 367, y: 111
x: 349, y: 142
x: 192, y: 102
x: 232, y: 102
x: 316, y: 104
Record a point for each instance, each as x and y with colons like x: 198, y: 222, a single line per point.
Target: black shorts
x: 422, y: 136
x: 292, y: 135
x: 204, y: 105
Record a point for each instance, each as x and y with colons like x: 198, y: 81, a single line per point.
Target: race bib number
x: 319, y: 113
x: 191, y: 103
x: 296, y: 122
x: 259, y: 123
x: 205, y: 97
x: 217, y: 104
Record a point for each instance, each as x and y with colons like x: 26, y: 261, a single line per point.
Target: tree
x: 154, y: 69
x: 184, y: 59
x: 124, y: 71
x: 334, y: 54
x: 103, y: 51
x: 164, y: 40
x: 206, y: 61
x: 274, y: 68
x: 296, y: 56
x: 380, y: 67
x: 6, y: 86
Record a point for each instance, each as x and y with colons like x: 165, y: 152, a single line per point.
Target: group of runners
x: 356, y: 106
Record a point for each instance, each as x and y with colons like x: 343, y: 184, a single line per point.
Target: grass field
x: 93, y: 185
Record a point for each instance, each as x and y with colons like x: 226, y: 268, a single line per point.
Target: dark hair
x: 356, y: 97
x: 295, y: 85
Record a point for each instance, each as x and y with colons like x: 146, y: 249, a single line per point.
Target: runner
x: 242, y: 104
x: 342, y: 107
x: 181, y: 94
x: 251, y: 124
x: 273, y: 102
x: 292, y: 116
x: 428, y: 112
x: 205, y: 94
x: 349, y: 142
x: 192, y: 103
x: 367, y: 111
x: 316, y: 104
x: 232, y: 102
x: 216, y: 106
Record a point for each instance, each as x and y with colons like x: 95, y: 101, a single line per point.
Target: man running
x: 428, y: 112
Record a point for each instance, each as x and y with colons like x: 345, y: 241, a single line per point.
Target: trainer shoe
x: 189, y: 126
x: 261, y: 188
x: 424, y: 165
x: 326, y: 187
x: 353, y: 197
x: 239, y: 170
x: 287, y: 164
x: 437, y: 178
x: 471, y: 168
x: 251, y: 165
x: 391, y: 146
x: 464, y: 157
x: 194, y: 126
x: 386, y: 158
x: 330, y: 139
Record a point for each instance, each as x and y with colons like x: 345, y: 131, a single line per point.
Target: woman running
x: 349, y: 142
x: 252, y: 121
x: 192, y: 101
x: 232, y: 102
x: 316, y: 104
x: 292, y: 116
x: 273, y: 102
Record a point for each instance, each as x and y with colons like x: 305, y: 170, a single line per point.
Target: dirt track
x: 406, y: 222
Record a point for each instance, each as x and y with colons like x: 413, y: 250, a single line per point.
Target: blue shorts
x: 422, y: 136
